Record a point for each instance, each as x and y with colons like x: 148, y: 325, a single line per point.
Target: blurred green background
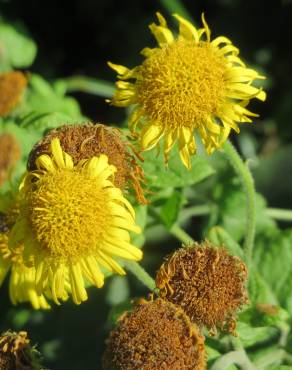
x: 78, y: 38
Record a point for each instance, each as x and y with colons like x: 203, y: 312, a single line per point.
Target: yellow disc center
x: 182, y: 84
x: 69, y: 213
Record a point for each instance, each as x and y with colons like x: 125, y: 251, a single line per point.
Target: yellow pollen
x: 69, y: 213
x: 182, y: 84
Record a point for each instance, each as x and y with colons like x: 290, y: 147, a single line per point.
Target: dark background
x: 79, y: 37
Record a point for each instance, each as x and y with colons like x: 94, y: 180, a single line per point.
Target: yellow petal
x: 186, y: 29
x: 220, y: 40
x: 206, y: 27
x: 163, y: 35
x: 57, y: 153
x: 150, y: 136
x: 105, y: 260
x: 185, y: 157
x: 45, y: 162
x: 121, y: 70
x: 77, y: 284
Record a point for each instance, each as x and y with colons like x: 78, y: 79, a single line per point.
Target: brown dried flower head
x: 9, y: 155
x: 207, y: 283
x: 16, y: 353
x: 88, y: 140
x: 12, y: 85
x: 157, y: 335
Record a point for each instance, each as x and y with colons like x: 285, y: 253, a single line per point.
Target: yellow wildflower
x: 72, y: 221
x: 188, y: 84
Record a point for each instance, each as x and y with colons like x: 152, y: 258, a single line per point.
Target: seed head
x: 155, y: 335
x: 207, y: 283
x: 85, y: 141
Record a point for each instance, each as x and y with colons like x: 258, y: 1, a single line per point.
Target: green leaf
x: 273, y: 257
x: 42, y: 98
x: 250, y: 335
x: 176, y: 174
x: 169, y: 212
x: 231, y: 201
x: 17, y: 50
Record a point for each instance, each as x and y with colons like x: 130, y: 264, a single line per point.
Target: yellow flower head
x: 188, y: 84
x: 22, y: 278
x: 72, y: 221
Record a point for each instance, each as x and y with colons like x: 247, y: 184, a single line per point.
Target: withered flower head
x: 16, y: 353
x: 12, y: 85
x: 156, y: 335
x: 88, y: 140
x: 207, y: 283
x: 9, y: 154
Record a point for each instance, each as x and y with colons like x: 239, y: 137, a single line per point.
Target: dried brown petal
x: 88, y: 140
x: 12, y: 85
x: 16, y: 353
x: 207, y: 283
x: 9, y: 155
x: 157, y: 335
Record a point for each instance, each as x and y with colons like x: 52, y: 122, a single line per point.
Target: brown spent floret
x: 14, y: 354
x: 88, y: 140
x: 207, y: 283
x: 9, y: 155
x: 12, y: 85
x: 157, y: 335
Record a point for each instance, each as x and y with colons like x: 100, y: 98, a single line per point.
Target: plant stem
x: 280, y: 214
x: 181, y: 235
x: 189, y: 212
x: 140, y: 274
x: 235, y: 357
x: 89, y: 85
x: 246, y: 178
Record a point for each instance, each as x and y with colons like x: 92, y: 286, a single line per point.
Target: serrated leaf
x: 175, y: 175
x: 17, y: 50
x: 273, y: 257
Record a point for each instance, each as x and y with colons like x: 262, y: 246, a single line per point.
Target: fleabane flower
x: 72, y: 222
x: 187, y: 84
x: 21, y: 278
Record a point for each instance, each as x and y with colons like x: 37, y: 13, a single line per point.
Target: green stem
x: 181, y: 235
x: 239, y: 358
x: 279, y: 214
x: 274, y: 357
x: 140, y: 274
x: 89, y: 85
x: 189, y: 212
x: 246, y: 178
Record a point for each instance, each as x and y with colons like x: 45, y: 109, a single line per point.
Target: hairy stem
x: 140, y: 274
x: 181, y: 235
x: 246, y: 178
